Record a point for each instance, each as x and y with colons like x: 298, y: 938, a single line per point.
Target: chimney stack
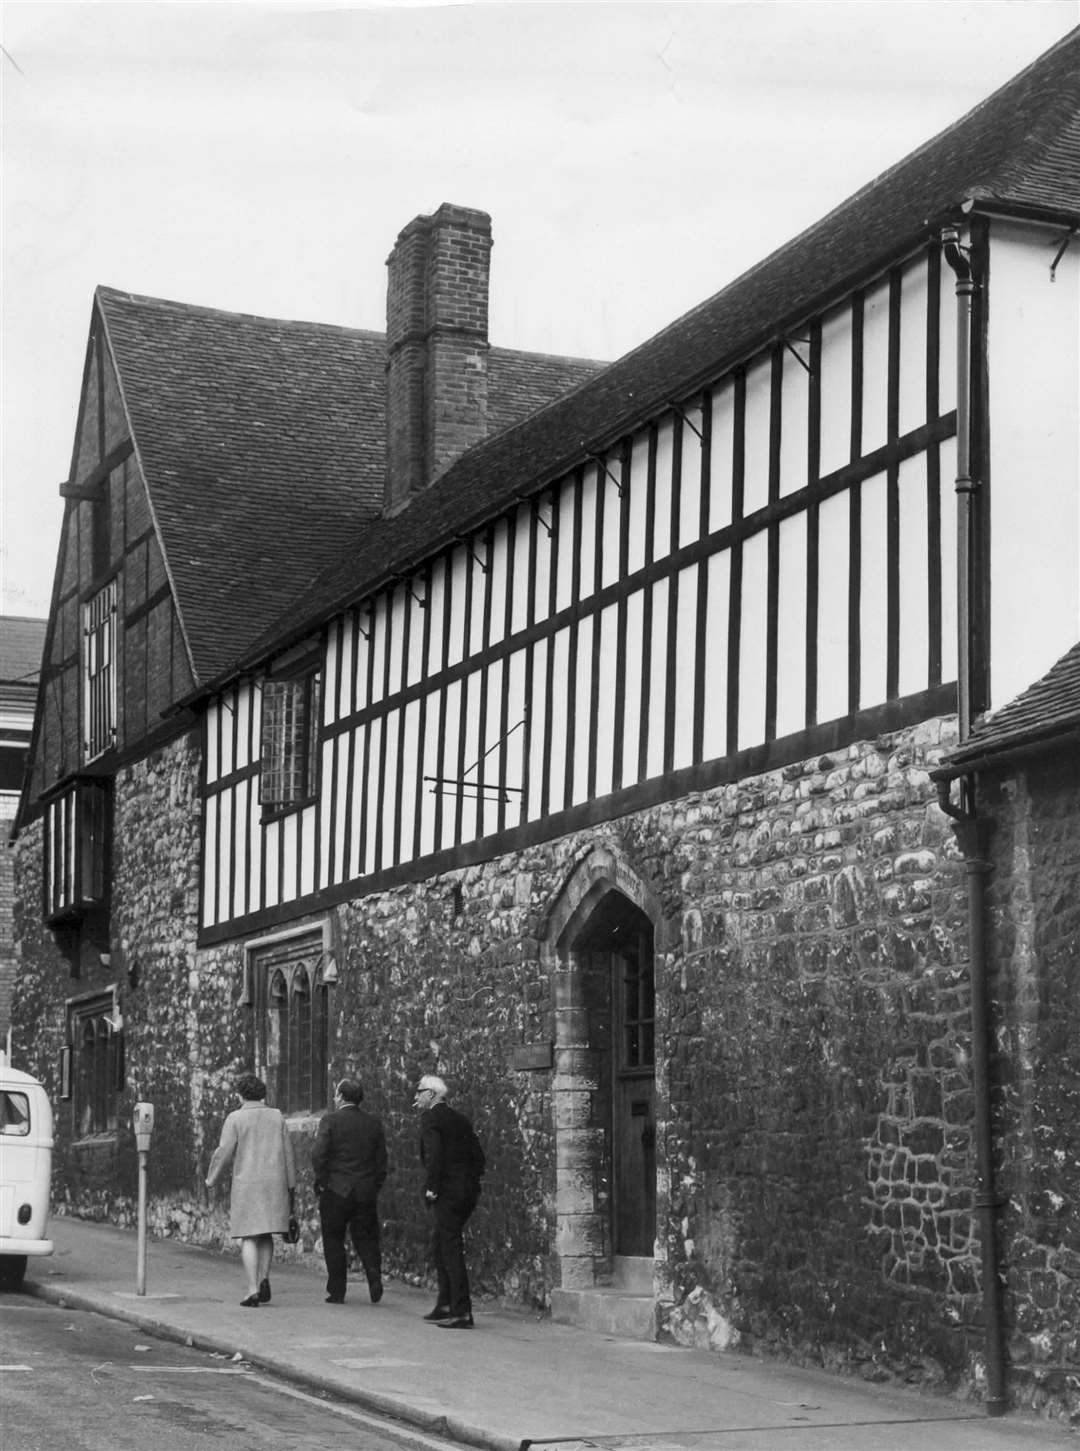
x: 436, y: 347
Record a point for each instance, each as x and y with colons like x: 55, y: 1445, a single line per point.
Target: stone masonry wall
x: 814, y: 1098
x: 1033, y: 935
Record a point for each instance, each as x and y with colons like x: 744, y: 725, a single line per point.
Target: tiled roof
x: 1048, y: 708
x: 263, y: 447
x: 22, y: 641
x: 1019, y: 150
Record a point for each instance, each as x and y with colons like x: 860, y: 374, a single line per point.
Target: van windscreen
x: 14, y: 1112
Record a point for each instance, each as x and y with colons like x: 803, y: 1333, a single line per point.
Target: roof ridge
x: 166, y: 304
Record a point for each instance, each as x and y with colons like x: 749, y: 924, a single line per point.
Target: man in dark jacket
x: 453, y: 1167
x: 349, y: 1160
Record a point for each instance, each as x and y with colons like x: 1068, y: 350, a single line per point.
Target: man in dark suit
x: 453, y: 1167
x: 349, y: 1160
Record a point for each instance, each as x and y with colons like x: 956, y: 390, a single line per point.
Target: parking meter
x: 142, y: 1121
x: 143, y: 1124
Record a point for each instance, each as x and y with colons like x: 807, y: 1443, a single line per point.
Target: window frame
x: 288, y: 990
x: 95, y: 1070
x: 77, y: 850
x: 290, y: 738
x: 100, y: 641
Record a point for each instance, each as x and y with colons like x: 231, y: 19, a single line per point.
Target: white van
x: 26, y: 1141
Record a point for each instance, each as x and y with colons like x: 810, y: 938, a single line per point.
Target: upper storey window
x: 290, y: 740
x: 99, y: 672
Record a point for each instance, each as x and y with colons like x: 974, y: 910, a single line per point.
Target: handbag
x: 292, y: 1234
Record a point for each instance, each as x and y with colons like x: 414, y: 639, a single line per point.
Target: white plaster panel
x: 914, y: 577
x: 662, y: 506
x: 690, y: 462
x: 794, y: 419
x: 211, y: 864
x: 448, y: 764
x: 272, y: 857
x: 652, y: 705
x: 914, y: 296
x: 428, y: 787
x: 437, y: 612
x: 520, y: 528
x: 346, y: 681
x: 752, y: 655
x: 564, y: 560
x: 539, y: 759
x: 834, y: 557
x: 458, y: 565
x: 288, y: 840
x: 639, y: 494
x: 684, y: 666
x: 556, y: 764
x: 329, y: 788
x: 228, y: 732
x: 241, y: 808
x: 583, y: 712
x: 587, y: 543
x: 492, y: 749
x: 947, y: 342
x: 396, y: 605
x: 306, y: 832
x: 377, y: 627
x: 414, y: 665
x: 409, y: 780
x: 873, y: 594
x: 541, y: 576
x: 471, y: 688
x: 513, y: 750
x: 243, y: 726
x: 392, y: 795
x: 375, y: 730
x: 835, y: 391
x: 716, y: 656
x: 213, y: 725
x: 613, y: 504
x: 256, y: 848
x: 633, y: 709
x: 756, y: 456
x: 791, y: 628
x: 1034, y: 370
x: 331, y: 675
x: 605, y: 714
x: 497, y: 575
x: 721, y: 449
x: 226, y: 801
x: 478, y: 565
x: 875, y: 371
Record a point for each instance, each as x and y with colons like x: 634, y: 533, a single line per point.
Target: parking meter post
x: 143, y: 1124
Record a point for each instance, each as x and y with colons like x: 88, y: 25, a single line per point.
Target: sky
x: 262, y: 158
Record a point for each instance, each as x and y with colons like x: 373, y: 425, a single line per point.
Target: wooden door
x: 634, y: 1097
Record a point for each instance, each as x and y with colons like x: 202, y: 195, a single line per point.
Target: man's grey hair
x: 431, y: 1083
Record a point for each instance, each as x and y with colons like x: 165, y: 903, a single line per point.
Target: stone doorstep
x: 608, y: 1309
x: 633, y: 1274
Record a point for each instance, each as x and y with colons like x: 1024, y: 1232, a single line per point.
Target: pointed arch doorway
x: 602, y: 946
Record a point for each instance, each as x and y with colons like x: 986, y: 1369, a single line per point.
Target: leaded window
x: 99, y: 672
x: 290, y: 740
x: 290, y: 1000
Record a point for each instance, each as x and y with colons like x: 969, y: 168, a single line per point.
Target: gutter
x: 973, y: 834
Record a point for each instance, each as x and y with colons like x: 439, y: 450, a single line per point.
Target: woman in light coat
x: 256, y: 1143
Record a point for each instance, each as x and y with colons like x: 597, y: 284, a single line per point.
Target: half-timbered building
x: 413, y: 706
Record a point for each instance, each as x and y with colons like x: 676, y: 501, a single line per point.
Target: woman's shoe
x: 250, y: 1302
x: 264, y: 1292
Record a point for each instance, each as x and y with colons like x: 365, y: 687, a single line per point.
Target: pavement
x: 517, y: 1380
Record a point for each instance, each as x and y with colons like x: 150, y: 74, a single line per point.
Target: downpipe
x: 973, y: 835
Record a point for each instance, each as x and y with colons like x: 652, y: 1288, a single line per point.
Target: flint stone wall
x: 814, y: 1095
x: 1033, y: 895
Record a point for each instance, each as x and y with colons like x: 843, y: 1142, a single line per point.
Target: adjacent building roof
x: 22, y: 641
x: 262, y: 443
x: 1017, y: 152
x: 1044, y: 712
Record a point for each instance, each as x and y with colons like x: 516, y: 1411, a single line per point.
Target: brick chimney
x: 436, y: 347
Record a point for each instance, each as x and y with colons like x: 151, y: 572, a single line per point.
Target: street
x: 74, y: 1380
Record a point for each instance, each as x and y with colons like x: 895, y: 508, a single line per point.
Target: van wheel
x: 12, y: 1270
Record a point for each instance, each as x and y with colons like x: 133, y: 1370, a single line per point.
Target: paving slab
x: 517, y: 1380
